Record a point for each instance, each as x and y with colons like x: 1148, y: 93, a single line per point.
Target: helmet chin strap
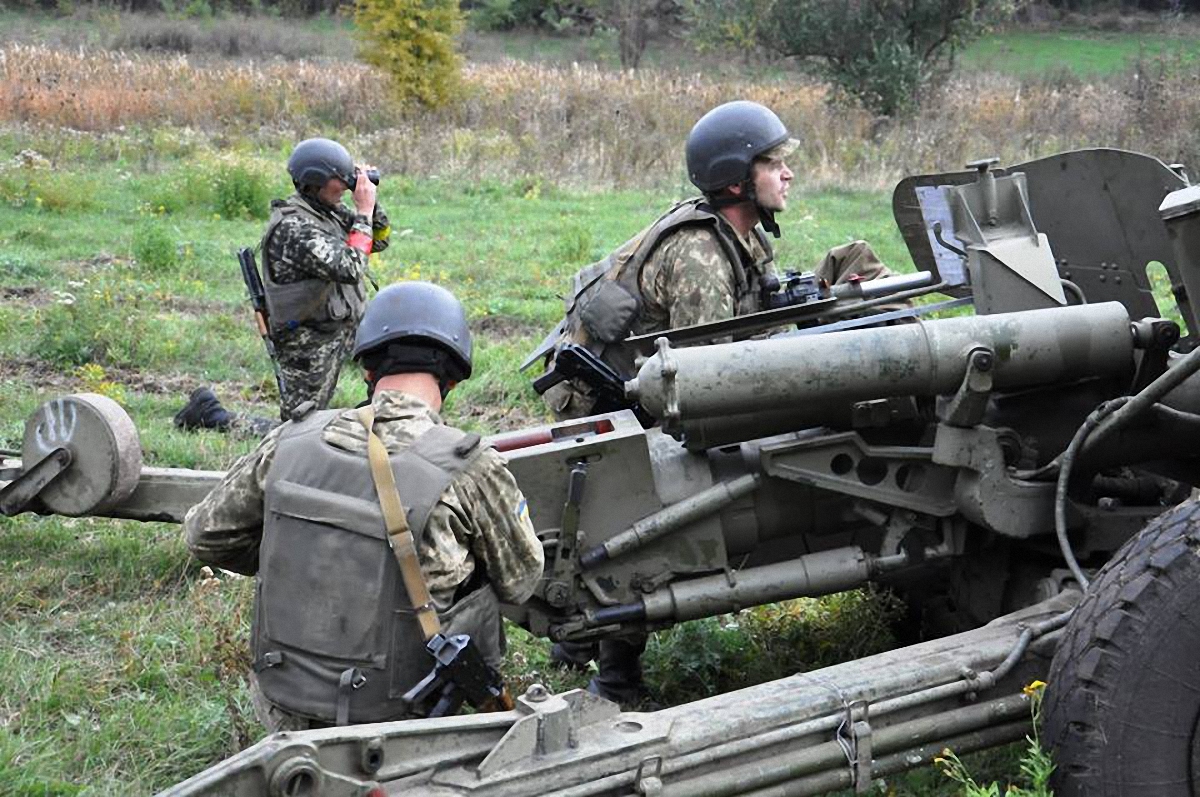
x: 765, y: 217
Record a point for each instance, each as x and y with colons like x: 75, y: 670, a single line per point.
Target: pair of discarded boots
x: 204, y: 411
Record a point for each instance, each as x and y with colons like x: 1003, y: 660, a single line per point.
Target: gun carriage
x: 983, y: 465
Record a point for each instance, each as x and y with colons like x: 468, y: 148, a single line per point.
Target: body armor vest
x: 308, y: 301
x: 606, y: 297
x: 335, y: 636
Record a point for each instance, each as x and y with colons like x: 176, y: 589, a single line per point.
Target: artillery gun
x: 962, y: 461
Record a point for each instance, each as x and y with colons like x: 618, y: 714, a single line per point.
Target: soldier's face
x: 771, y: 181
x: 331, y: 193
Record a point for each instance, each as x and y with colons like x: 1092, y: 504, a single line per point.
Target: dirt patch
x: 50, y: 378
x: 494, y: 420
x: 504, y: 327
x: 30, y: 294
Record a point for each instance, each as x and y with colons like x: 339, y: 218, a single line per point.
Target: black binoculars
x: 372, y: 175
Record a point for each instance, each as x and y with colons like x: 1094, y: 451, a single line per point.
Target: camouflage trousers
x: 250, y: 426
x: 855, y: 260
x: 310, y: 362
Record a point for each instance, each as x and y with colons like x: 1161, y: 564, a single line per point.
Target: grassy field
x: 1082, y: 54
x: 121, y: 663
x: 107, y: 289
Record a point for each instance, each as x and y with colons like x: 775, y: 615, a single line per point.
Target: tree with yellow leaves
x: 414, y: 42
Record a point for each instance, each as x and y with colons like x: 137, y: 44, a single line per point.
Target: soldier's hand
x: 364, y: 192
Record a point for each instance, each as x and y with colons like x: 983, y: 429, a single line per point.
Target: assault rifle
x: 608, y: 388
x: 258, y: 302
x: 459, y: 674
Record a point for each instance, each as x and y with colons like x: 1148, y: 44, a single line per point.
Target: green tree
x: 882, y: 52
x: 414, y: 42
x: 736, y: 26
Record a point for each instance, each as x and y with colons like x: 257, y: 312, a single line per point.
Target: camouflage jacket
x: 481, y: 520
x: 309, y: 244
x: 689, y: 280
x: 688, y: 267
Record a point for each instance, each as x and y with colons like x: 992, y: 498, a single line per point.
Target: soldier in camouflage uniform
x: 476, y: 544
x: 315, y: 255
x: 705, y: 260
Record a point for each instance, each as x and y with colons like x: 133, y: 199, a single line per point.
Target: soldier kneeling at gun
x: 344, y: 631
x: 707, y: 259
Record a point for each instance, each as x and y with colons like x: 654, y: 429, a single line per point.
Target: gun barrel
x: 817, y: 375
x: 871, y: 289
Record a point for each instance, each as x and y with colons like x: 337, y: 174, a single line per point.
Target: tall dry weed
x: 582, y: 125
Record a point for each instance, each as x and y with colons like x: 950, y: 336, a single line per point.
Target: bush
x: 494, y: 15
x: 413, y: 42
x: 717, y: 654
x: 43, y: 189
x: 226, y: 185
x: 14, y: 267
x: 153, y: 246
x: 574, y: 245
x: 241, y: 192
x: 230, y: 35
x: 878, y: 52
x: 104, y: 323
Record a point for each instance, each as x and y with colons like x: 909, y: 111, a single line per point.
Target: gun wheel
x: 106, y: 455
x: 1122, y: 710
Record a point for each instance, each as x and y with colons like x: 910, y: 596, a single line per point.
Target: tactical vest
x: 335, y: 636
x: 308, y: 301
x: 606, y: 298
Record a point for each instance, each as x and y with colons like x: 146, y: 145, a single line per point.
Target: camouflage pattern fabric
x: 687, y: 280
x: 310, y: 361
x: 481, y: 520
x: 248, y: 427
x: 853, y: 260
x: 690, y: 281
x: 310, y: 356
x: 300, y: 250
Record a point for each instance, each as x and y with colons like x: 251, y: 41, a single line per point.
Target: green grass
x: 104, y: 622
x: 1085, y: 54
x: 121, y: 667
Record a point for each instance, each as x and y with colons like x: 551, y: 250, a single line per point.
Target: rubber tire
x: 1123, y: 694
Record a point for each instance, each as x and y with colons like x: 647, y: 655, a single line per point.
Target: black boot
x: 573, y: 655
x: 203, y: 411
x: 620, y: 676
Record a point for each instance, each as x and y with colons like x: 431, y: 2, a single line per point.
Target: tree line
x: 881, y: 53
x: 537, y: 13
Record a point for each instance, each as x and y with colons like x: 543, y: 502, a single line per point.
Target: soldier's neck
x: 742, y: 217
x: 422, y: 386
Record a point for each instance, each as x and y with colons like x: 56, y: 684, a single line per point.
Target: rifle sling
x: 399, y: 535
